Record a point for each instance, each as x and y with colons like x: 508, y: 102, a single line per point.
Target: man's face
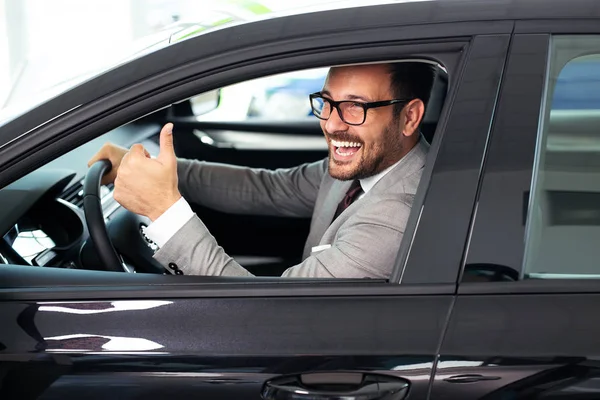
x: 357, y: 152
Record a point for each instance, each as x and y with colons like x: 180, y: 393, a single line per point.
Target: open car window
x: 50, y: 228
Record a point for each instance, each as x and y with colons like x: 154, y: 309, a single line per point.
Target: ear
x: 413, y: 115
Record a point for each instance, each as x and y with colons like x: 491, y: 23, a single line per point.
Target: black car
x: 495, y: 292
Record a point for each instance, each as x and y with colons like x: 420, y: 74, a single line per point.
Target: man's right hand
x: 114, y: 154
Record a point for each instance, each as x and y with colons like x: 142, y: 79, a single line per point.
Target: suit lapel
x: 324, y: 216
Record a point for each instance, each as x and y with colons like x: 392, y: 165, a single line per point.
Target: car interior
x: 43, y: 221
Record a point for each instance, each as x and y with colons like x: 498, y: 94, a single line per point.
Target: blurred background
x: 49, y: 44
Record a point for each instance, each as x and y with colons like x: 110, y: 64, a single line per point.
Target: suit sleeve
x: 240, y: 190
x: 366, y: 247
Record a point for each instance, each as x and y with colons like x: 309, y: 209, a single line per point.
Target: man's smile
x: 344, y: 151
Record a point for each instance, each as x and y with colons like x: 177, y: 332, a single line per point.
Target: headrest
x: 437, y: 98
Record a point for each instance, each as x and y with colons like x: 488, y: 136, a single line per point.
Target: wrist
x: 158, y: 211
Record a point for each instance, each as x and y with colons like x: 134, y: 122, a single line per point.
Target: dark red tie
x: 351, y: 195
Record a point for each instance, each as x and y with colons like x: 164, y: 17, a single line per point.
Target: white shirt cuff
x: 171, y: 221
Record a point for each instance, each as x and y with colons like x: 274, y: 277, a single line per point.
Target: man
x: 359, y: 197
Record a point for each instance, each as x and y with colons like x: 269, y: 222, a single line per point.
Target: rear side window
x: 563, y: 217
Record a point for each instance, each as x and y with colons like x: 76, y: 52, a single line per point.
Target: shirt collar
x: 368, y: 183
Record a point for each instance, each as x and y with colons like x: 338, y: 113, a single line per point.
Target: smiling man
x: 359, y: 197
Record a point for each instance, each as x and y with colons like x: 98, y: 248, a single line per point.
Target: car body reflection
x: 101, y: 307
x: 89, y: 342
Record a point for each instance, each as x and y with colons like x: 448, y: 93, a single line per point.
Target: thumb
x: 166, y: 155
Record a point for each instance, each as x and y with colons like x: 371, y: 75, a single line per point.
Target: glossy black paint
x: 248, y: 329
x: 540, y: 346
x: 497, y: 238
x: 97, y: 378
x: 451, y: 191
x: 150, y: 345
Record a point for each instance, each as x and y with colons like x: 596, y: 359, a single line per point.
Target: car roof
x: 438, y: 11
x: 238, y: 36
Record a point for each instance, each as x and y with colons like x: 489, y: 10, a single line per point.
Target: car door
x: 68, y: 333
x: 525, y: 323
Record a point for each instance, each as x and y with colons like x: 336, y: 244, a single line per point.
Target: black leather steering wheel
x: 94, y: 217
x: 124, y: 232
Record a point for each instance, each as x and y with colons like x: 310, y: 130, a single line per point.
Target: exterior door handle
x: 335, y: 386
x: 470, y: 378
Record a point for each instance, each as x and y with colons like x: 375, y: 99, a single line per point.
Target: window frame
x: 456, y: 172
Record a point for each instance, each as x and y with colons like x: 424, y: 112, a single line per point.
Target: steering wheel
x: 125, y: 229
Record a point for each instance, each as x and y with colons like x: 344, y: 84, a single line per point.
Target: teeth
x: 341, y: 153
x: 345, y: 144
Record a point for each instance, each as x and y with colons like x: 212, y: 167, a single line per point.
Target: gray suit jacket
x: 364, y: 239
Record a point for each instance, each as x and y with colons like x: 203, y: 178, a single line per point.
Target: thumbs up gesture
x: 148, y: 186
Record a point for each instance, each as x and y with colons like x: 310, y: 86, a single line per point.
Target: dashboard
x: 42, y: 220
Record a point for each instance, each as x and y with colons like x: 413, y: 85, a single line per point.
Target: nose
x: 335, y: 123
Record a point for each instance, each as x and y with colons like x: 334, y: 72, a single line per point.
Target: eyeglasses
x: 350, y: 111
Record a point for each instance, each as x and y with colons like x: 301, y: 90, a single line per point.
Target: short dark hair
x: 411, y: 80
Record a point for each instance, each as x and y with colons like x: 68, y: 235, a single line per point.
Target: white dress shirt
x: 169, y: 222
x: 172, y: 220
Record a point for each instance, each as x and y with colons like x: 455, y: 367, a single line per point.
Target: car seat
x: 435, y: 105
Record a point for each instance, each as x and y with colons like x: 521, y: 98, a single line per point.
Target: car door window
x: 563, y: 220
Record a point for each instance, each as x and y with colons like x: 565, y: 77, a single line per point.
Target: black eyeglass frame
x: 365, y: 106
